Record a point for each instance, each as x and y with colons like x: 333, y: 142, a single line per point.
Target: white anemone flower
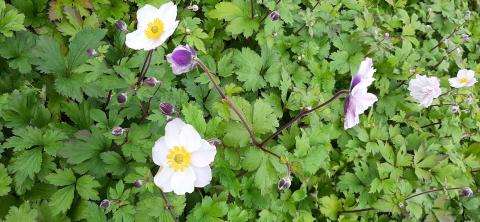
x: 465, y: 78
x: 183, y: 157
x: 154, y: 26
x: 424, y: 89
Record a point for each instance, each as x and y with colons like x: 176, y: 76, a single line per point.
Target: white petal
x: 163, y: 179
x: 166, y: 34
x: 159, y: 152
x: 137, y: 40
x: 172, y: 132
x: 189, y: 138
x: 455, y: 83
x: 203, y: 156
x: 183, y: 182
x: 203, y: 176
x: 168, y: 13
x: 146, y: 14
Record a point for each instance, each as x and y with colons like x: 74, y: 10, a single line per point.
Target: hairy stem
x: 168, y: 206
x: 146, y: 65
x: 146, y: 109
x: 432, y: 191
x: 303, y: 113
x: 355, y: 211
x: 449, y: 36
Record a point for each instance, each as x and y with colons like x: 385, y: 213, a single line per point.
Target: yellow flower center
x: 155, y: 29
x: 178, y: 158
x: 464, y: 80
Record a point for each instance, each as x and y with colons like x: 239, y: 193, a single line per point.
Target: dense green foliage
x: 59, y: 158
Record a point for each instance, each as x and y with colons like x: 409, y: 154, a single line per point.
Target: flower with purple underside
x: 465, y: 78
x: 359, y: 100
x: 182, y: 59
x: 424, y: 89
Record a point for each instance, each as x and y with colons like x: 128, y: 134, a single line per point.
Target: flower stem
x: 168, y: 206
x: 253, y: 8
x: 449, y: 36
x: 268, y: 12
x: 146, y: 65
x: 303, y: 113
x: 147, y: 107
x: 109, y: 96
x: 355, y: 211
x: 444, y: 57
x: 303, y: 26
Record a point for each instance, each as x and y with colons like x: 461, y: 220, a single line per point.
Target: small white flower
x: 424, y: 89
x: 183, y: 157
x: 465, y: 77
x: 154, y: 27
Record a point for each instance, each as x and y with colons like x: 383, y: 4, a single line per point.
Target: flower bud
x: 468, y: 14
x: 151, y: 81
x: 386, y: 36
x: 117, y: 131
x: 284, y: 183
x: 167, y: 108
x: 469, y: 100
x: 274, y: 34
x: 454, y: 109
x: 122, y: 98
x: 194, y: 8
x: 187, y: 30
x: 121, y: 26
x: 138, y: 183
x: 92, y: 52
x: 105, y: 203
x: 274, y: 15
x: 465, y: 37
x: 467, y: 192
x: 466, y: 110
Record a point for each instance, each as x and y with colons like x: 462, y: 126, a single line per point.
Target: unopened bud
x: 467, y: 192
x: 188, y: 30
x: 386, y: 36
x: 167, y: 108
x: 194, y: 8
x: 122, y: 98
x: 274, y: 34
x: 92, y: 52
x: 465, y: 37
x: 121, y: 26
x: 454, y: 109
x: 466, y: 110
x: 468, y: 14
x: 138, y: 183
x: 469, y: 100
x: 284, y: 183
x: 151, y: 81
x: 104, y: 204
x: 274, y: 15
x: 117, y: 131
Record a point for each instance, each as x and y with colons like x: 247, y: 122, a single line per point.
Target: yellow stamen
x: 178, y: 158
x: 155, y: 29
x: 464, y: 80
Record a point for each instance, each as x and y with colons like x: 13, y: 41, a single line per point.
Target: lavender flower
x: 182, y: 59
x: 359, y: 100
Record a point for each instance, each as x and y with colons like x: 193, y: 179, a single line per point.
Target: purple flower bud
x: 182, y: 59
x: 469, y: 100
x: 465, y: 37
x: 117, y: 131
x: 104, y: 203
x: 121, y: 26
x: 274, y: 34
x: 138, y: 183
x: 92, y: 52
x: 151, y: 81
x: 454, y: 109
x: 167, y: 108
x: 274, y: 15
x: 194, y: 8
x: 467, y: 192
x: 284, y: 183
x: 122, y: 98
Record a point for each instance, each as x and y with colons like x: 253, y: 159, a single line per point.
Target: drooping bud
x: 121, y: 26
x: 92, y: 52
x: 469, y: 100
x: 274, y: 15
x: 151, y: 81
x: 104, y: 204
x: 467, y: 192
x: 122, y: 98
x: 117, y: 131
x: 284, y: 183
x: 454, y: 109
x: 194, y: 8
x: 138, y: 183
x: 465, y: 37
x: 167, y: 108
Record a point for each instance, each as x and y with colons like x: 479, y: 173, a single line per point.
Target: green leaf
x: 264, y: 118
x: 24, y: 213
x: 82, y: 41
x: 49, y: 58
x: 329, y: 206
x: 194, y: 116
x: 50, y: 139
x: 225, y: 10
x: 86, y: 187
x: 62, y: 199
x: 266, y: 176
x: 61, y: 177
x: 249, y: 65
x: 26, y: 164
x: 115, y: 163
x: 5, y: 181
x: 10, y: 19
x: 18, y: 50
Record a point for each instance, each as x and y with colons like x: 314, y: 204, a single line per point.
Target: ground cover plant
x: 240, y: 110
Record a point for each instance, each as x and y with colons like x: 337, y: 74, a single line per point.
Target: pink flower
x: 182, y: 59
x: 465, y: 77
x: 424, y: 89
x: 359, y: 100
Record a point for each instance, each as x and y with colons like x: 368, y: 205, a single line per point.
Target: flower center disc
x: 463, y: 80
x: 178, y: 158
x: 155, y: 29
